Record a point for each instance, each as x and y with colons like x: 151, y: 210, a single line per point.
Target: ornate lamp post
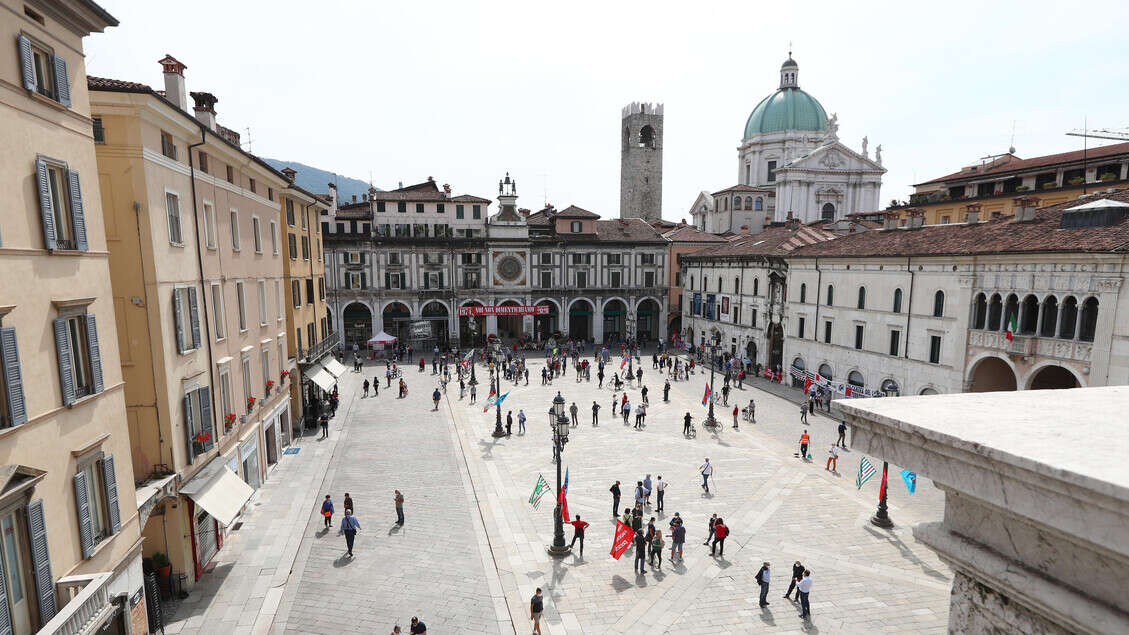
x: 498, y: 431
x: 881, y: 518
x: 714, y: 342
x: 558, y: 423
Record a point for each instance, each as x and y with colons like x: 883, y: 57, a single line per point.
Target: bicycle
x: 397, y: 373
x: 749, y: 414
x: 692, y: 432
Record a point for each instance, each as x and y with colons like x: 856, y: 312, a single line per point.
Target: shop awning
x: 334, y: 367
x: 321, y: 377
x: 222, y: 496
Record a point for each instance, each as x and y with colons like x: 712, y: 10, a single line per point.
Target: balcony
x: 1029, y: 345
x: 315, y: 352
x: 87, y: 605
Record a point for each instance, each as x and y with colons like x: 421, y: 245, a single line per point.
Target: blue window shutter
x: 85, y: 524
x: 188, y: 427
x: 76, y: 211
x: 46, y: 209
x: 194, y: 317
x: 110, y: 483
x: 13, y: 379
x: 62, y: 83
x: 177, y: 317
x: 95, y: 353
x: 205, y: 396
x: 63, y: 349
x: 41, y: 561
x: 27, y: 64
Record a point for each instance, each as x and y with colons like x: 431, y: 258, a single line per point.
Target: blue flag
x: 911, y: 480
x: 501, y: 399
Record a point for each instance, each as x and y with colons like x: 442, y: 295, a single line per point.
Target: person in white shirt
x: 660, y: 488
x: 804, y: 587
x: 707, y: 470
x: 833, y: 458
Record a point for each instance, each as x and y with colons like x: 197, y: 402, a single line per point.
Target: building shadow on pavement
x: 906, y: 553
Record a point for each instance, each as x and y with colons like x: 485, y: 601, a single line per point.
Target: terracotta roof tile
x: 1015, y: 164
x: 105, y: 83
x: 691, y: 234
x: 776, y: 240
x: 627, y: 230
x: 573, y: 211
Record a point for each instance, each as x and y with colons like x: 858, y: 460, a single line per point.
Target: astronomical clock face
x: 509, y: 269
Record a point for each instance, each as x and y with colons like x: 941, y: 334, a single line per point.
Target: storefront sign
x: 540, y: 309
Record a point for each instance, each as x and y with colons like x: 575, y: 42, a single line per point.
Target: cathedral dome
x: 789, y: 108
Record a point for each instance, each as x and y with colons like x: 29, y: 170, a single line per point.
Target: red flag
x: 807, y: 385
x: 563, y: 500
x: 706, y: 396
x: 622, y: 540
x: 882, y: 488
x: 849, y: 391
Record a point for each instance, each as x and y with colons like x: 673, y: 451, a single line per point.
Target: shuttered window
x: 198, y: 429
x: 296, y: 293
x: 186, y: 319
x: 172, y: 210
x: 41, y: 561
x: 13, y: 409
x: 60, y: 205
x: 79, y: 357
x: 43, y: 72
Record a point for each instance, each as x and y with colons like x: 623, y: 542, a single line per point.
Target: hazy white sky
x: 465, y: 91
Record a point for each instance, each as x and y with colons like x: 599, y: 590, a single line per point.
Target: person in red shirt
x: 578, y: 533
x: 720, y: 531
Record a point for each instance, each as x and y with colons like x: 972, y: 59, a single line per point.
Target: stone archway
x: 615, y: 321
x: 647, y: 314
x: 775, y: 346
x: 1052, y: 377
x: 357, y: 320
x: 509, y: 326
x: 580, y: 320
x: 397, y: 320
x: 992, y: 374
x: 544, y: 326
x: 469, y: 336
x: 436, y: 313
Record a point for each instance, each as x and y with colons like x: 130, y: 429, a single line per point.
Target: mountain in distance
x: 317, y: 181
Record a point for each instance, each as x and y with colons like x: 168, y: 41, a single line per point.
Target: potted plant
x: 228, y: 421
x: 270, y: 384
x: 1109, y: 176
x: 250, y: 403
x: 1076, y: 180
x: 282, y: 376
x: 199, y: 441
x: 1022, y: 188
x: 1049, y: 185
x: 162, y: 565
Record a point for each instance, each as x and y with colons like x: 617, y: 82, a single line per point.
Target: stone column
x: 492, y: 325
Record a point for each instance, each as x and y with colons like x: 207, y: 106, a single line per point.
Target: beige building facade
x: 70, y: 557
x: 196, y: 265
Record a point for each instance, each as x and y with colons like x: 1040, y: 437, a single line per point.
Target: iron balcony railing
x: 315, y: 352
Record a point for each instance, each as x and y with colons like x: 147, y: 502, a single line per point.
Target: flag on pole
x: 539, y: 491
x: 807, y: 384
x: 501, y: 399
x: 911, y: 480
x: 563, y: 500
x: 866, y: 471
x: 623, y: 363
x: 468, y: 359
x: 882, y: 487
x: 622, y: 539
x: 1011, y: 327
x: 706, y: 396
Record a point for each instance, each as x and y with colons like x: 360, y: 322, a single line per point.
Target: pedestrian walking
x: 324, y: 422
x: 473, y: 393
x: 639, y: 493
x: 803, y: 413
x: 435, y: 396
x: 811, y: 403
x: 677, y: 538
x: 375, y: 386
x: 666, y: 392
x: 578, y: 527
x: 833, y: 458
x: 520, y: 421
x: 572, y: 410
x: 797, y: 574
x: 842, y: 442
x: 536, y: 606
x: 720, y: 531
x: 644, y: 392
x: 626, y: 410
x: 706, y: 469
x: 804, y: 440
x: 713, y: 521
x: 762, y: 580
x: 327, y: 511
x: 686, y: 424
x: 399, y: 500
x: 509, y: 421
x: 657, y: 548
x: 640, y: 552
x: 647, y: 486
x: 348, y: 503
x: 595, y: 414
x: 804, y: 587
x: 615, y: 499
x: 349, y: 527
x: 736, y: 411
x: 527, y: 376
x: 639, y: 417
x: 364, y: 387
x: 418, y: 627
x: 660, y: 490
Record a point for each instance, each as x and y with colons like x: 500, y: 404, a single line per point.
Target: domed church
x: 791, y: 162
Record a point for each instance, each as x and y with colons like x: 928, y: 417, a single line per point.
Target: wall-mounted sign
x: 540, y: 309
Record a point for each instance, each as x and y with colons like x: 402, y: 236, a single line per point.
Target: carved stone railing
x: 1050, y: 347
x: 87, y: 604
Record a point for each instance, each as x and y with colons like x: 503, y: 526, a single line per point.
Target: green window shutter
x: 85, y: 524
x: 63, y: 349
x: 194, y: 317
x: 188, y: 427
x: 41, y: 561
x: 205, y: 396
x: 46, y: 210
x: 110, y: 485
x: 62, y: 84
x: 27, y: 63
x: 426, y: 281
x: 5, y: 615
x: 177, y: 316
x: 95, y: 353
x: 387, y: 281
x: 13, y: 379
x: 441, y: 285
x: 76, y: 211
x: 362, y: 257
x: 364, y: 280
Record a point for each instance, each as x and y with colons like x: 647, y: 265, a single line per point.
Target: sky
x: 465, y: 92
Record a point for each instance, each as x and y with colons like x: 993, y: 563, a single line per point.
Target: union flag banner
x: 622, y: 540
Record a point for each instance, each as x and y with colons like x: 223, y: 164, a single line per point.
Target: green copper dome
x: 786, y: 109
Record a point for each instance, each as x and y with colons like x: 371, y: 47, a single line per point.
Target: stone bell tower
x: 641, y: 162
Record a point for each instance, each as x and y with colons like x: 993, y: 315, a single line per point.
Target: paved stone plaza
x: 472, y: 550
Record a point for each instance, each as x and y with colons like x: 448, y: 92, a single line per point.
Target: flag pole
x: 498, y: 431
x: 881, y: 518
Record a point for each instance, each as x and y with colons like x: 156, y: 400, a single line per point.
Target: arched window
x: 737, y: 286
x: 1050, y: 317
x: 830, y: 295
x: 995, y: 311
x: 939, y: 304
x: 720, y: 285
x: 862, y: 298
x: 855, y: 378
x: 980, y: 311
x: 647, y: 137
x: 1069, y: 324
x: 825, y: 372
x: 756, y: 286
x: 803, y: 293
x: 1089, y: 321
x: 1029, y: 316
x: 897, y: 300
x: 1011, y: 309
x: 748, y: 202
x: 828, y: 212
x: 759, y: 204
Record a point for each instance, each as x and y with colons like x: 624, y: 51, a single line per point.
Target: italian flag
x: 1010, y: 335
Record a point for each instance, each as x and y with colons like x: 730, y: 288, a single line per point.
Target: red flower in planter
x: 270, y: 384
x: 250, y: 402
x: 229, y: 419
x: 203, y: 437
x: 284, y: 374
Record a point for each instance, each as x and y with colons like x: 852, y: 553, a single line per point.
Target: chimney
x: 205, y: 108
x: 333, y: 196
x: 174, y: 81
x: 890, y: 220
x: 289, y: 173
x: 916, y: 218
x: 447, y: 189
x: 354, y: 198
x: 972, y: 213
x: 1025, y: 207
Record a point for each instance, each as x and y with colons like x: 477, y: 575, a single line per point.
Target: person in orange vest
x: 804, y: 440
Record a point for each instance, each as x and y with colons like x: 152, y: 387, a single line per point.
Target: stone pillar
x: 492, y: 325
x: 597, y: 326
x: 1037, y: 533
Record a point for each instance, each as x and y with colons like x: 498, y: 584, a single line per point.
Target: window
x: 546, y: 279
x: 862, y: 298
x: 648, y: 278
x: 264, y: 353
x: 298, y: 338
x: 230, y: 174
x: 459, y: 213
x: 210, y: 225
x: 800, y: 329
x: 168, y: 147
x: 305, y: 247
x: 575, y: 226
x: 440, y: 208
x: 827, y: 332
x: 470, y: 279
x: 274, y: 237
x: 753, y: 322
x: 402, y: 207
x: 581, y: 279
x: 939, y: 304
x: 186, y: 319
x: 99, y: 131
x: 256, y: 234
x: 544, y: 259
x: 476, y: 211
x: 80, y: 359
x: 262, y: 302
x: 43, y: 72
x: 203, y: 162
x: 581, y: 259
x: 391, y: 280
x: 305, y: 219
x: 830, y: 295
x: 235, y: 230
x: 251, y: 183
x: 895, y: 342
x: 615, y: 279
x: 60, y: 205
x: 248, y: 387
x: 13, y: 408
x: 172, y: 210
x: 270, y: 193
x: 935, y: 349
x: 225, y: 393
x: 296, y: 293
x: 292, y: 242
x: 803, y: 293
x: 93, y: 501
x: 897, y: 300
x: 380, y: 208
x: 419, y: 208
x: 321, y: 288
x: 647, y: 259
x: 858, y: 336
x: 290, y: 212
x: 756, y: 285
x: 615, y: 259
x: 759, y: 204
x: 309, y: 290
x: 218, y: 312
x: 241, y: 299
x: 771, y: 176
x: 394, y: 258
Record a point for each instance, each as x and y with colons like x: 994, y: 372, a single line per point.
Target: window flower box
x: 1050, y: 186
x: 201, y: 441
x: 282, y: 376
x: 1022, y: 188
x: 228, y: 421
x: 250, y: 404
x: 270, y: 384
x: 1076, y: 180
x: 1109, y: 176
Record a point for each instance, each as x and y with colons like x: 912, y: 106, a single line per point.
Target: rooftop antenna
x: 544, y: 189
x: 1011, y: 146
x: 248, y: 138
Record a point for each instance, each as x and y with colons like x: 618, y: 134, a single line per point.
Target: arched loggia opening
x: 1052, y: 378
x: 992, y: 374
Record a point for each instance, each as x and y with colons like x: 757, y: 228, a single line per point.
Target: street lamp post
x: 558, y: 423
x: 881, y: 518
x: 498, y: 431
x: 710, y: 420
